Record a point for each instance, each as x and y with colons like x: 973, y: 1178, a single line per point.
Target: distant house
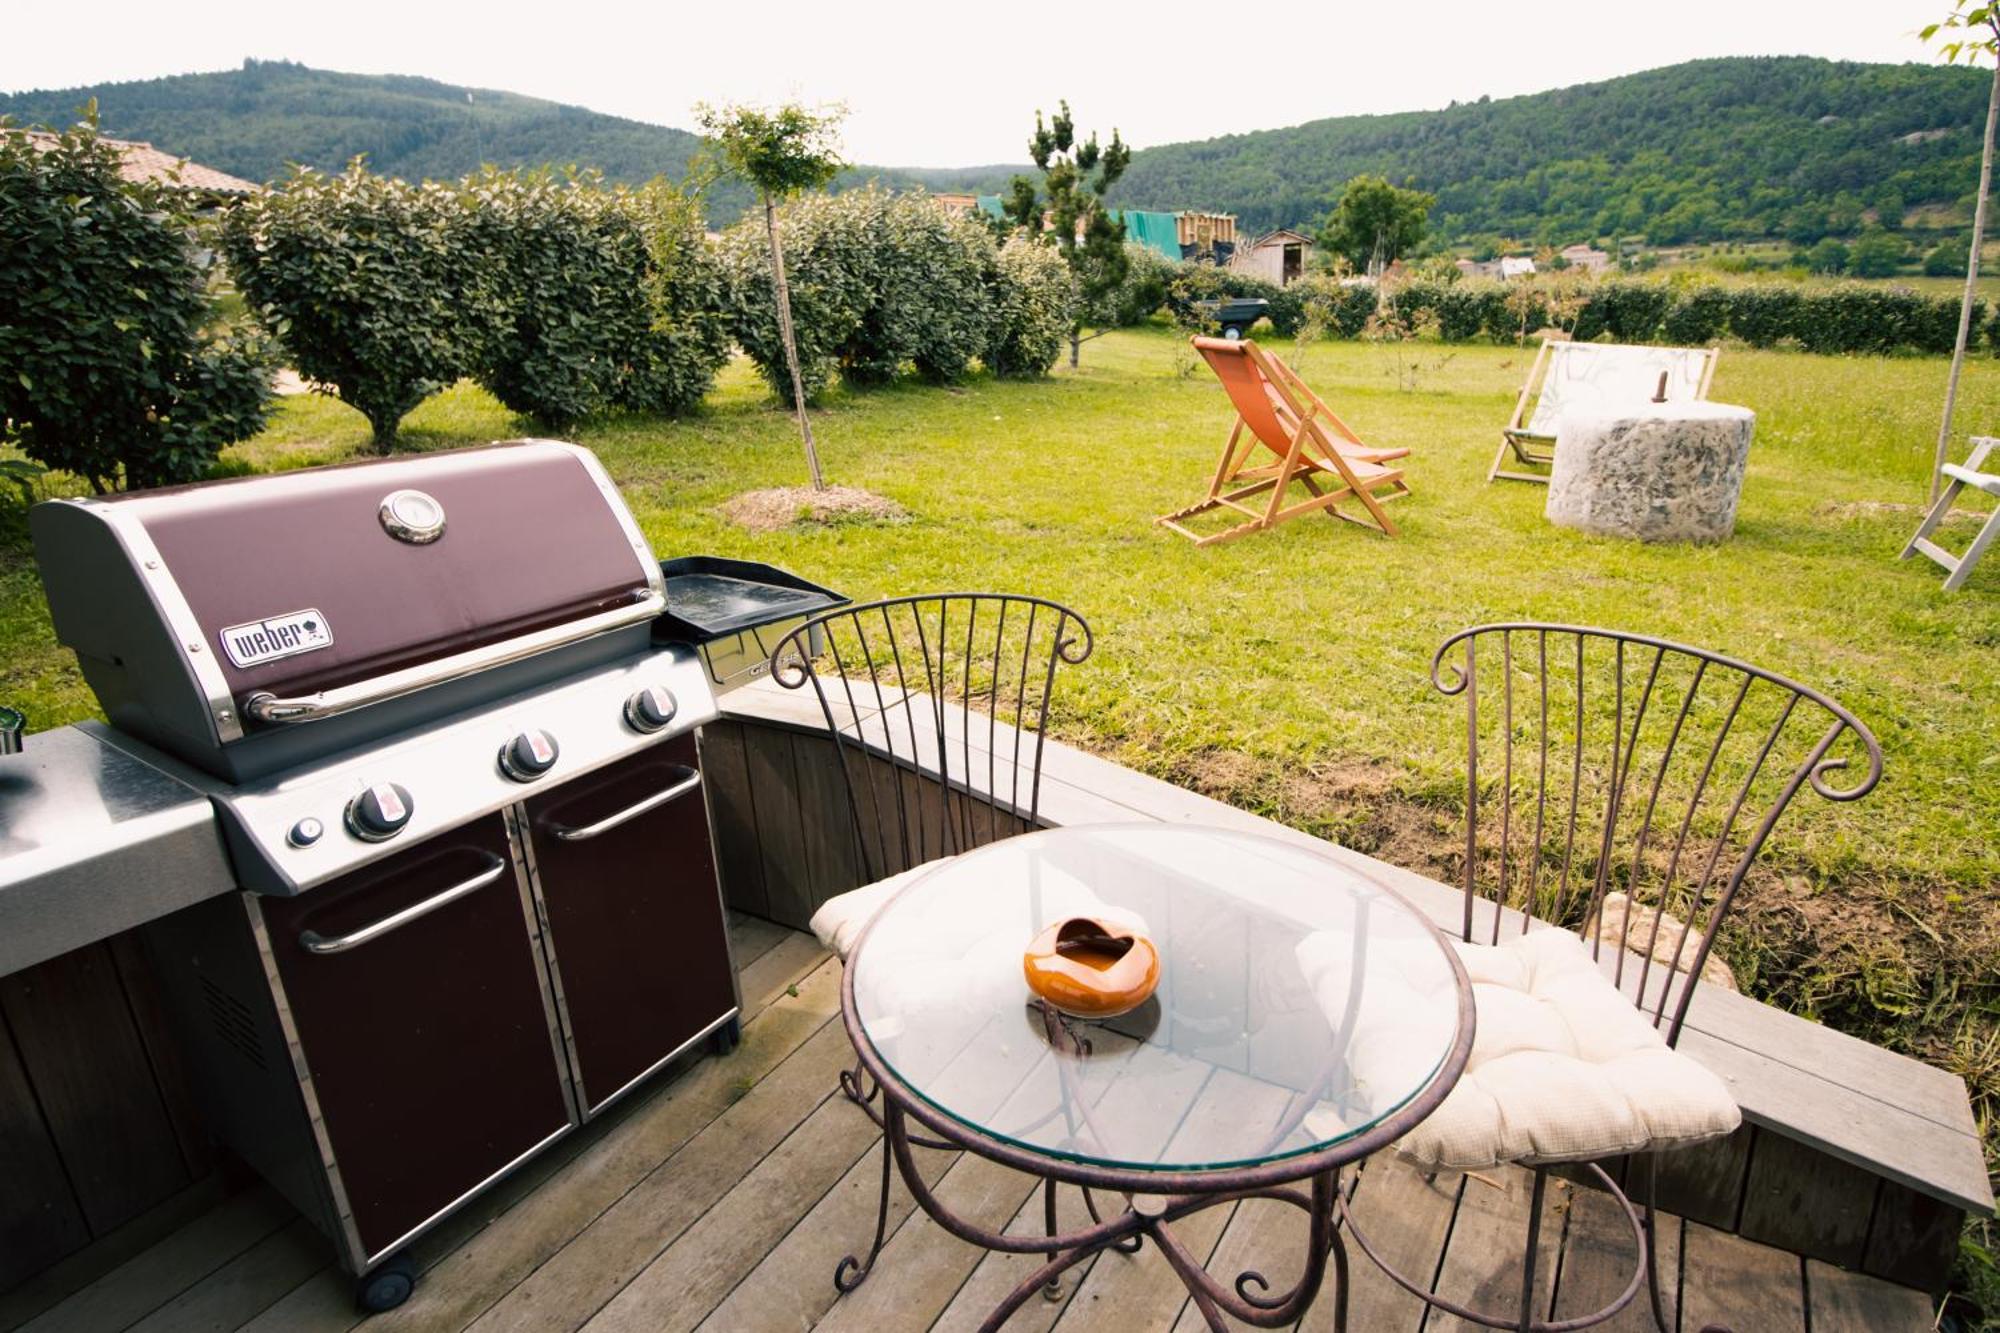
x: 1516, y: 266
x: 1586, y: 257
x: 1277, y: 256
x: 143, y: 162
x: 955, y: 203
x: 1476, y: 268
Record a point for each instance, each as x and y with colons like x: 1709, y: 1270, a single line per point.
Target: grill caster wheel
x: 727, y: 1037
x: 385, y: 1286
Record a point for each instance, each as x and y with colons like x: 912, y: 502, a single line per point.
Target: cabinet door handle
x: 659, y: 798
x: 314, y: 942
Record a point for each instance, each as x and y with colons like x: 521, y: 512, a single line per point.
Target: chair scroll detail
x: 1601, y: 764
x: 956, y: 683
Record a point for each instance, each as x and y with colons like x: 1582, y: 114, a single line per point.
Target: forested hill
x: 254, y: 121
x: 1713, y: 149
x: 1705, y: 150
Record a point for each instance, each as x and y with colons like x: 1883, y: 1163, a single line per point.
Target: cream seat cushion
x: 1563, y: 1068
x: 841, y: 918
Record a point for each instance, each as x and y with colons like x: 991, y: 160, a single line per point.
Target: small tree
x: 781, y: 152
x: 371, y: 284
x: 1067, y: 210
x: 1980, y: 22
x: 1376, y: 223
x: 109, y: 365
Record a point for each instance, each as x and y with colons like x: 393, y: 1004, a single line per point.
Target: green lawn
x: 1287, y: 672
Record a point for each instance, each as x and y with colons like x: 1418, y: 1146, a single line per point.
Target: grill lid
x: 290, y: 597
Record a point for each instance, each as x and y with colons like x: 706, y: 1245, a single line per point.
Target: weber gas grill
x: 459, y: 785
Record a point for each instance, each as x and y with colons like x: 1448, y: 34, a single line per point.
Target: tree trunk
x: 1971, y: 288
x: 1075, y: 347
x: 791, y: 346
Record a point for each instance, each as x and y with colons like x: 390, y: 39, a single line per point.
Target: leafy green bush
x: 1465, y: 309
x: 1034, y: 299
x: 878, y: 282
x: 1142, y: 291
x: 1764, y: 316
x: 1631, y: 312
x: 1697, y: 316
x: 371, y: 284
x: 931, y: 306
x: 107, y: 366
x: 1878, y: 254
x: 830, y: 268
x: 570, y: 283
x: 1947, y: 259
x: 1877, y: 320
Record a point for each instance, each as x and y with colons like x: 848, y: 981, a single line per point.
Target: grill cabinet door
x: 429, y: 1044
x: 634, y: 915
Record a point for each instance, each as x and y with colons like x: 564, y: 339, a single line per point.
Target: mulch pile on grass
x: 768, y: 511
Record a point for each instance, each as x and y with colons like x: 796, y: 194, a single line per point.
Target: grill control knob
x: 651, y: 708
x: 379, y: 813
x: 305, y: 833
x: 528, y: 756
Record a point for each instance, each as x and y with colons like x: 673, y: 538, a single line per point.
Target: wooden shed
x: 1277, y: 256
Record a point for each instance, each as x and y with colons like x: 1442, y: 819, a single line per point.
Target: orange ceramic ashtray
x: 1089, y: 969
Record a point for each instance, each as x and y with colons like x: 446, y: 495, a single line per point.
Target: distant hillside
x: 254, y: 121
x: 1712, y: 149
x: 1709, y: 150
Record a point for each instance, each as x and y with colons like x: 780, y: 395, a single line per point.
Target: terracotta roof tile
x: 143, y: 162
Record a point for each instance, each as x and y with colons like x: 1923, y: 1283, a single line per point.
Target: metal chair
x: 1601, y: 762
x: 957, y: 685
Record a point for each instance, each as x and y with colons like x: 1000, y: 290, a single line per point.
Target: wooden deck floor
x: 723, y: 1197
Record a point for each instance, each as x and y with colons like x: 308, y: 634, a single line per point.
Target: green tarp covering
x: 989, y: 204
x: 1155, y: 231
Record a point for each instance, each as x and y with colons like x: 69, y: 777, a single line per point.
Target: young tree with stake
x: 782, y: 152
x: 1980, y: 24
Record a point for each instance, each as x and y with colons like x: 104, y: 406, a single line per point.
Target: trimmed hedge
x: 594, y: 298
x: 564, y: 298
x: 882, y: 283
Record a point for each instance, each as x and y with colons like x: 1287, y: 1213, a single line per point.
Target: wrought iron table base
x: 1124, y: 1232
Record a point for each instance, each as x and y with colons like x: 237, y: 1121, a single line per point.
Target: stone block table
x: 1660, y: 472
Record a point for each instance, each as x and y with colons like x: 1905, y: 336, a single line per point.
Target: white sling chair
x: 1958, y: 567
x: 1571, y: 374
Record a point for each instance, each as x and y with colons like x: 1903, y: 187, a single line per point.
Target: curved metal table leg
x: 1643, y: 1267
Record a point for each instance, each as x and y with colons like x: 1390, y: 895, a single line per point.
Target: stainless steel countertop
x: 94, y: 841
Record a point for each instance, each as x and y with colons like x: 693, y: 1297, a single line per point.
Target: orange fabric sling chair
x: 1312, y: 447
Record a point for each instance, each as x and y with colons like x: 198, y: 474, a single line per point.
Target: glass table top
x: 1299, y: 1002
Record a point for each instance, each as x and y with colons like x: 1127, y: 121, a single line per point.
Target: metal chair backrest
x: 955, y: 684
x: 1599, y: 762
x: 1615, y: 374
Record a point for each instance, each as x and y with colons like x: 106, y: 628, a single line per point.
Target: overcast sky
x: 953, y: 84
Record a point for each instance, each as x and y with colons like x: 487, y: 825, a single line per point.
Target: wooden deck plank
x: 922, y: 1267
x: 69, y: 1276
x: 1489, y: 1236
x: 591, y: 1268
x: 794, y: 958
x: 998, y: 1273
x: 706, y: 1261
x: 1597, y: 1262
x: 1844, y: 1302
x: 792, y: 1287
x: 163, y: 1271
x: 751, y: 937
x: 1407, y: 1219
x: 1738, y: 1284
x: 246, y: 1285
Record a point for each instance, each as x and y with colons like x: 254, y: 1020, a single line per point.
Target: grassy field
x: 1287, y: 672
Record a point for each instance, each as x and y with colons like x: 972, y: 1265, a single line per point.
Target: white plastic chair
x: 1959, y: 567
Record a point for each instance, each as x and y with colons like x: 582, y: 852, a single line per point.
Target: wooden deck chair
x: 1959, y: 567
x: 1308, y: 445
x: 1571, y: 374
